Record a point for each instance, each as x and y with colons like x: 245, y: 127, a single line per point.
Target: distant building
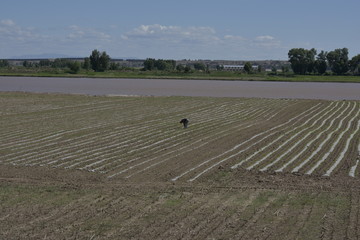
x: 233, y: 67
x: 237, y: 67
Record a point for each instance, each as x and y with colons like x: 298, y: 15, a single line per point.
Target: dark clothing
x: 185, y: 122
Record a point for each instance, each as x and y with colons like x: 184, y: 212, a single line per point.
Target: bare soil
x: 47, y: 203
x: 58, y: 154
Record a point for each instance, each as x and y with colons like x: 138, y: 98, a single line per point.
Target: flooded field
x: 167, y: 87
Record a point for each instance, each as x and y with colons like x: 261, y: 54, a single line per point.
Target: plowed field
x: 90, y: 167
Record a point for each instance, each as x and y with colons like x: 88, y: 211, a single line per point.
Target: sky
x: 173, y: 29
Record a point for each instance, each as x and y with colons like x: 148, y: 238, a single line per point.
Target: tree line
x: 97, y: 61
x: 307, y: 61
x: 74, y: 66
x: 151, y: 64
x: 303, y: 61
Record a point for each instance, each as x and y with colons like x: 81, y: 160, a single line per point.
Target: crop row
x: 315, y: 144
x: 106, y: 145
x: 131, y: 137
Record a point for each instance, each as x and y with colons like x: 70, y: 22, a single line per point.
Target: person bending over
x: 185, y: 122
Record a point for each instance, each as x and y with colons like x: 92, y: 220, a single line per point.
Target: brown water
x: 170, y: 87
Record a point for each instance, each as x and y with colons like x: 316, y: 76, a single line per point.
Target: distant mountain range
x: 39, y: 56
x: 55, y: 55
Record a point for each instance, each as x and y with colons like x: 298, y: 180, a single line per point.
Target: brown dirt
x: 39, y: 200
x: 47, y: 203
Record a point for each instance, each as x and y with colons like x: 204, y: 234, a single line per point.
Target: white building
x: 233, y: 67
x: 237, y: 67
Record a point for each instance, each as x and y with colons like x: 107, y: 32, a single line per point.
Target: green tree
x: 248, y: 67
x: 284, y: 69
x: 180, y: 68
x: 170, y: 65
x: 321, y: 62
x: 114, y: 66
x: 74, y: 67
x: 355, y: 65
x: 4, y: 63
x: 165, y: 65
x: 99, y: 61
x: 60, y: 63
x: 86, y: 64
x: 338, y: 60
x: 310, y: 60
x: 274, y: 70
x: 160, y: 65
x: 302, y: 60
x: 95, y: 60
x: 219, y: 67
x: 187, y: 69
x: 207, y: 68
x: 297, y: 59
x: 44, y: 63
x: 149, y: 64
x: 27, y: 63
x: 199, y: 66
x: 104, y: 62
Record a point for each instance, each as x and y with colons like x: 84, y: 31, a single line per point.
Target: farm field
x: 95, y: 167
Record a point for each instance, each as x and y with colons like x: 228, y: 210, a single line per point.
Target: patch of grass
x: 12, y: 195
x: 301, y: 200
x: 257, y: 203
x: 173, y: 202
x: 222, y: 176
x: 323, y: 206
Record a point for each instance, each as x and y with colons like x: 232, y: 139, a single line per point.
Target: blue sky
x: 187, y: 29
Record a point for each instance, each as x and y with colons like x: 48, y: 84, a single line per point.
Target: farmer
x: 185, y: 122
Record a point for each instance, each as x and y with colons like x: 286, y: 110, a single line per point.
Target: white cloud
x: 7, y: 22
x: 264, y: 38
x: 158, y: 41
x: 74, y: 40
x: 267, y: 41
x: 162, y: 41
x: 173, y: 34
x: 79, y: 33
x: 234, y: 38
x: 176, y: 42
x: 10, y: 31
